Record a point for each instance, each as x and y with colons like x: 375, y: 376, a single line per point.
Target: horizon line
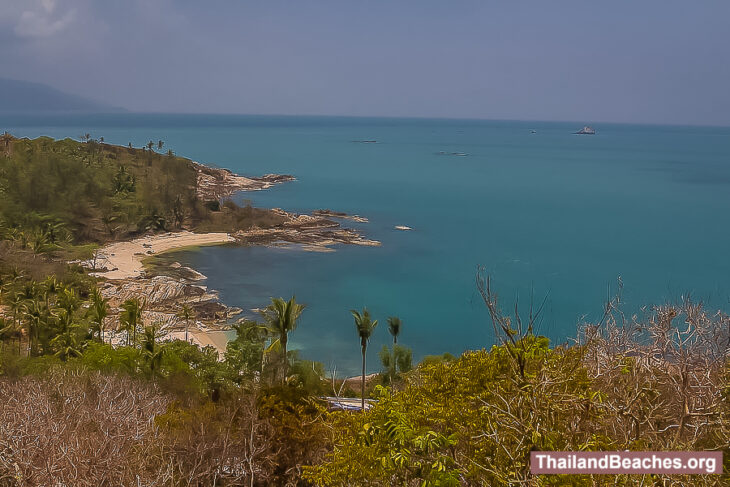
x: 125, y: 111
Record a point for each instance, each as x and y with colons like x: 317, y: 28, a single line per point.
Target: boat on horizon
x: 587, y: 130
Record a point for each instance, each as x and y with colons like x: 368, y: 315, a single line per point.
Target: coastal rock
x: 311, y: 237
x: 214, y: 184
x: 157, y: 290
x: 167, y: 286
x: 341, y: 215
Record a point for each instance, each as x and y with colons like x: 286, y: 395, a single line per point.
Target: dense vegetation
x: 56, y: 192
x: 173, y: 414
x: 76, y: 411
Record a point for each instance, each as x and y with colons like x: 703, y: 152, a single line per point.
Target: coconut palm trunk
x: 132, y: 316
x: 283, y: 339
x: 364, y: 345
x: 365, y: 327
x: 281, y: 318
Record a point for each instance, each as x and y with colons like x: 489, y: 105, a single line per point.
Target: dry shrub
x: 663, y: 377
x: 72, y: 429
x: 89, y: 429
x: 212, y: 444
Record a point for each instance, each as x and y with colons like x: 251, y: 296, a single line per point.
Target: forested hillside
x: 53, y: 192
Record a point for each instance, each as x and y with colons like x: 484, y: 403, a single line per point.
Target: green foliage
x: 186, y: 367
x: 103, y: 357
x: 57, y: 192
x: 244, y: 354
x: 151, y: 351
x: 97, y: 312
x: 281, y: 318
x: 396, y: 361
x: 454, y: 424
x: 61, y: 190
x: 123, y: 181
x: 45, y: 317
x: 131, y: 318
x: 437, y: 359
x: 365, y: 325
x: 306, y: 375
x: 395, y: 325
x: 300, y: 435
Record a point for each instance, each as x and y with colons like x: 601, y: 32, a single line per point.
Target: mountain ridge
x: 29, y: 96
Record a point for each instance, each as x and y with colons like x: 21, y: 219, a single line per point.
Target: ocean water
x: 551, y: 215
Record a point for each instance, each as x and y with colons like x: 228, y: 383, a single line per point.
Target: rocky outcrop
x: 157, y: 291
x: 339, y: 214
x: 164, y: 297
x: 311, y: 232
x: 214, y: 183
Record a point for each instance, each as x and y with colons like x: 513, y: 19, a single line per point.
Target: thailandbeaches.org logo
x: 626, y: 462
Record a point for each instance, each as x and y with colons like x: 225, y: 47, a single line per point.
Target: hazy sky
x: 638, y: 61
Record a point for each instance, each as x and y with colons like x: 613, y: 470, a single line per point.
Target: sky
x: 649, y: 61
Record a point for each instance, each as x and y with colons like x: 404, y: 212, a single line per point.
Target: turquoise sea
x: 547, y: 213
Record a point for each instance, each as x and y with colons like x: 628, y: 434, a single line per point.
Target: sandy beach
x: 211, y: 338
x: 123, y: 260
x: 122, y: 263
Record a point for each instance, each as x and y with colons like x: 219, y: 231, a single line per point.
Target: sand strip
x: 124, y: 259
x: 214, y: 338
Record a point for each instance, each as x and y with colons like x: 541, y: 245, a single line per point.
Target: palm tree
x: 68, y: 300
x: 66, y: 342
x: 131, y: 317
x: 16, y: 306
x: 152, y: 352
x: 10, y: 329
x: 251, y: 333
x: 394, y: 326
x: 281, y: 318
x: 36, y: 315
x: 50, y: 287
x: 365, y: 327
x: 186, y: 313
x: 98, y: 310
x: 7, y: 329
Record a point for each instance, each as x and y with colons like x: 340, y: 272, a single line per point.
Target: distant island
x: 26, y: 96
x: 587, y: 130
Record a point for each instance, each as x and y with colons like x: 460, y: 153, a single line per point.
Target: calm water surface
x: 551, y: 213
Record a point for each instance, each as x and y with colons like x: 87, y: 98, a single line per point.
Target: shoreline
x: 128, y: 269
x: 124, y: 260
